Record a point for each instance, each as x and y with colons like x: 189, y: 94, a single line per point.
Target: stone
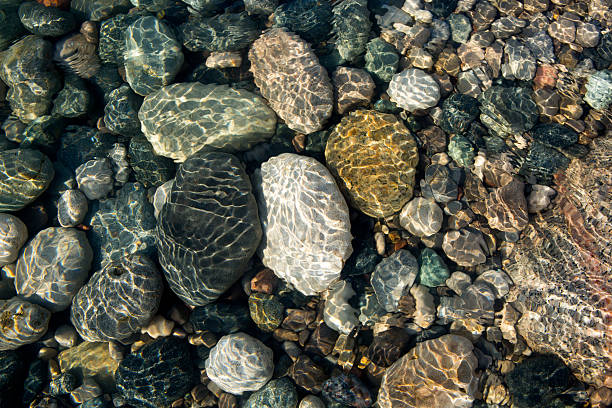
x: 381, y: 60
x: 414, y: 89
x: 458, y: 282
x: 338, y: 314
x: 89, y: 360
x: 158, y: 327
x: 310, y: 19
x: 539, y: 198
x: 220, y: 318
x: 351, y: 26
x: 383, y: 145
x: 123, y: 225
x: 587, y: 34
x: 98, y: 10
x: 66, y: 336
x: 95, y: 178
x: 392, y: 276
x: 347, y: 390
x: 224, y: 59
x: 45, y: 21
x: 472, y: 310
x: 152, y: 56
x: 71, y: 208
x: 311, y: 401
x: 11, y: 369
x: 53, y: 266
x: 521, y: 63
x: 118, y: 300
x: 21, y: 323
x: 263, y: 7
x: 432, y: 269
x: 554, y: 135
x: 27, y: 62
x: 121, y: 111
x: 76, y: 54
x: 80, y: 144
x: 295, y: 84
x: 73, y: 100
x: 161, y: 196
x: 111, y: 47
x: 239, y: 363
x: 439, y: 184
x: 370, y: 311
x: 62, y: 384
x: 297, y: 248
x: 36, y: 380
x: 266, y: 311
x: 459, y: 111
x: 208, y: 229
x: 439, y: 372
x: 425, y: 307
x: 13, y: 234
x: 466, y: 246
x: 507, y: 111
x: 86, y: 391
x: 280, y: 393
x: 599, y: 90
x: 563, y: 30
x: 149, y: 169
x: 306, y: 374
x: 353, y: 87
x: 507, y: 207
x: 460, y: 26
x: 10, y: 31
x: 181, y: 119
x: 461, y: 150
x: 541, y: 47
x: 24, y: 175
x: 265, y: 281
x: 152, y: 5
x: 157, y: 374
x: 222, y: 32
x: 421, y: 217
x: 499, y: 282
x: 507, y: 26
x: 387, y: 347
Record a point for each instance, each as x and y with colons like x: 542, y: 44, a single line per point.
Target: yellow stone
x: 90, y: 360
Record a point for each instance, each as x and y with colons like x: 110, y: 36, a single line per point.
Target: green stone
x: 461, y: 150
x: 381, y: 60
x: 433, y: 271
x: 279, y: 393
x: 266, y: 311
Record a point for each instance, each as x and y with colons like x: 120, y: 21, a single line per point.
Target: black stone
x: 221, y: 318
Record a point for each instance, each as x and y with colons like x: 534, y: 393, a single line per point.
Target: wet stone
x: 414, y: 89
x: 432, y: 269
x: 266, y: 311
x: 81, y: 143
x: 11, y: 368
x: 353, y: 87
x: 338, y: 314
x: 112, y: 37
x: 73, y: 100
x: 539, y: 198
x: 156, y: 374
x: 76, y: 54
x: 35, y: 382
x: 421, y: 217
x: 351, y: 24
x: 599, y: 90
x: 296, y: 248
x: 223, y: 32
x: 306, y: 374
x: 150, y: 43
x: 121, y: 111
x: 460, y: 27
x: 182, y: 119
x: 383, y: 145
x: 71, y: 208
x: 22, y: 323
x: 86, y: 360
x: 9, y: 31
x: 311, y: 401
x: 458, y: 112
x: 347, y: 390
x: 466, y: 247
x: 279, y: 393
x: 262, y: 7
x: 220, y: 318
x: 295, y: 84
x: 473, y: 309
x: 98, y: 10
x: 152, y: 5
x: 310, y: 19
x: 13, y: 234
x: 45, y: 21
x: 239, y: 363
x: 387, y: 347
x: 461, y: 151
x: 542, y: 162
x: 521, y: 63
x: 53, y: 266
x: 563, y: 30
x: 507, y: 111
x: 95, y: 178
x: 587, y: 34
x: 541, y: 47
x: 149, y: 169
x: 507, y: 26
x: 392, y: 276
x: 381, y: 60
x: 439, y: 184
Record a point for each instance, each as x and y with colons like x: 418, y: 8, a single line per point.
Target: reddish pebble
x: 264, y: 282
x: 546, y: 76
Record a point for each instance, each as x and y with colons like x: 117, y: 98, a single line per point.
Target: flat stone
x: 421, y: 217
x: 472, y: 310
x: 90, y: 360
x: 21, y: 323
x: 414, y: 89
x: 353, y: 87
x: 381, y: 60
x: 392, y: 276
x: 425, y: 306
x: 219, y: 33
x: 466, y: 247
x: 266, y: 311
x: 45, y: 21
x: 599, y: 90
x: 539, y: 198
x: 24, y: 175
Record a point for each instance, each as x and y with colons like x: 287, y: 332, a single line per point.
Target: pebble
x: 439, y: 184
x: 338, y: 314
x: 160, y: 197
x: 432, y: 271
x: 353, y: 88
x: 95, y: 178
x: 521, y: 63
x: 63, y: 384
x: 307, y: 375
x: 539, y: 198
x: 599, y: 90
x: 472, y: 310
x: 266, y: 311
x: 351, y: 25
x: 219, y: 33
x: 66, y: 336
x: 265, y: 281
x: 158, y: 326
x: 76, y: 54
x: 381, y: 60
x: 13, y: 234
x: 587, y: 35
x: 466, y: 246
x: 425, y: 308
x: 460, y: 27
x: 86, y: 391
x: 392, y: 276
x: 280, y: 393
x: 45, y: 21
x: 347, y: 390
x: 414, y: 89
x: 507, y: 207
x: 421, y: 217
x: 499, y: 281
x: 23, y: 323
x: 89, y: 360
x: 72, y: 208
x: 311, y: 401
x: 563, y: 30
x: 224, y: 59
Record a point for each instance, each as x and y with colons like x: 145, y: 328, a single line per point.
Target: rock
x: 124, y: 225
x: 112, y: 37
x: 507, y: 208
x: 152, y: 56
x: 392, y: 276
x: 153, y: 6
x: 461, y: 151
x: 383, y: 145
x: 89, y: 360
x: 387, y: 347
x: 98, y: 10
x: 599, y: 90
x: 563, y: 30
x: 347, y: 390
x: 460, y: 27
x: 458, y: 282
x: 220, y: 318
x: 118, y: 158
x: 45, y: 21
x: 11, y: 369
x: 307, y: 18
x: 86, y: 391
x: 35, y: 382
x: 507, y: 111
x: 432, y: 269
x: 539, y: 198
x: 73, y: 100
x: 66, y: 336
x: 158, y: 327
x: 466, y: 247
x: 208, y: 229
x: 306, y: 374
x: 311, y: 401
x: 76, y: 54
x: 443, y: 371
x: 587, y: 34
x: 161, y: 197
x: 13, y: 234
x: 121, y: 111
x: 80, y: 144
x: 266, y: 311
x: 351, y: 26
x: 421, y: 217
x: 95, y: 178
x: 472, y: 310
x: 224, y: 59
x: 239, y: 363
x: 227, y: 119
x: 265, y: 281
x: 439, y: 183
x: 296, y: 247
x: 10, y: 31
x: 370, y: 311
x: 118, y: 300
x: 22, y: 323
x: 381, y: 60
x: 338, y: 314
x: 295, y: 84
x: 157, y: 374
x: 263, y: 7
x: 63, y: 384
x: 279, y: 393
x: 71, y: 208
x: 150, y: 170
x: 521, y: 63
x: 353, y: 88
x: 53, y: 266
x: 24, y: 175
x: 497, y: 280
x: 27, y: 62
x: 222, y: 32
x: 459, y: 111
x: 425, y: 308
x: 414, y: 89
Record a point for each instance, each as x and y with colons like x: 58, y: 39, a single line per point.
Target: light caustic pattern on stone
x: 21, y: 323
x: 13, y: 234
x: 414, y: 89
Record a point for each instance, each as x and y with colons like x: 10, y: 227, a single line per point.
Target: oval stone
x: 421, y: 217
x: 181, y: 119
x: 392, y: 276
x: 24, y: 175
x: 208, y: 229
x: 45, y: 21
x: 21, y: 323
x: 414, y: 89
x: 13, y: 234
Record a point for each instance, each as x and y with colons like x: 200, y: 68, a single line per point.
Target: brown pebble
x: 306, y: 374
x: 178, y: 403
x: 54, y: 368
x: 285, y: 335
x: 298, y: 319
x: 322, y: 340
x: 299, y: 142
x: 265, y: 281
x: 47, y: 353
x: 203, y: 338
x: 601, y: 398
x: 228, y: 401
x: 303, y: 337
x: 199, y: 392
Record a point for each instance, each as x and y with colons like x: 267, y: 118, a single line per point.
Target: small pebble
x: 159, y: 326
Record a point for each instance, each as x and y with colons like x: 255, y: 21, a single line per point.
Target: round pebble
x: 414, y: 89
x: 71, y: 208
x: 13, y: 234
x: 421, y: 217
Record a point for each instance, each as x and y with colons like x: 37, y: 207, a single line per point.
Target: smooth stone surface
x: 305, y: 220
x: 310, y: 19
x: 239, y: 363
x: 466, y: 247
x: 353, y: 87
x: 421, y: 217
x: 161, y: 196
x: 289, y: 76
x: 13, y: 234
x: 373, y: 156
x: 74, y: 99
x: 351, y: 25
x: 90, y: 360
x: 599, y: 90
x: 311, y: 401
x: 121, y: 111
x: 539, y: 198
x: 111, y: 46
x: 72, y: 208
x: 22, y: 323
x: 392, y: 276
x: 347, y: 390
x: 381, y: 60
x: 338, y: 314
x: 508, y: 111
x: 24, y: 175
x: 266, y: 311
x: 118, y: 300
x: 208, y: 229
x: 414, y: 89
x: 507, y: 207
x: 181, y: 119
x: 222, y: 32
x: 472, y: 310
x: 221, y: 318
x: 53, y: 266
x: 150, y: 170
x: 432, y: 269
x: 95, y: 178
x: 279, y: 393
x: 45, y: 21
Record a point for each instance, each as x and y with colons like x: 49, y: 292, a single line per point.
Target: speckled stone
x: 221, y: 318
x: 118, y: 300
x: 507, y: 208
x: 310, y: 19
x: 432, y: 269
x: 280, y: 393
x: 149, y: 169
x: 353, y: 87
x: 13, y: 234
x: 208, y: 229
x: 152, y: 5
x: 223, y: 32
x: 563, y: 30
x: 414, y: 89
x: 338, y: 314
x: 53, y: 266
x: 439, y: 372
x: 587, y: 34
x: 45, y: 21
x: 266, y: 311
x: 71, y: 208
x: 351, y: 25
x: 263, y: 7
x: 507, y: 111
x: 460, y: 26
x: 599, y: 90
x: 88, y: 360
x: 392, y: 276
x: 381, y: 60
x: 421, y: 217
x: 157, y: 374
x: 347, y: 390
x: 541, y: 47
x: 297, y: 248
x: 95, y: 178
x: 152, y: 56
x: 381, y: 144
x: 311, y: 401
x: 239, y: 363
x: 472, y: 310
x: 461, y: 150
x: 98, y: 10
x: 459, y: 111
x: 112, y: 37
x: 73, y: 100
x: 181, y: 119
x: 294, y: 83
x: 22, y: 323
x: 466, y: 247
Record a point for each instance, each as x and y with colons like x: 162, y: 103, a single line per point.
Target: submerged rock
x: 280, y: 393
x: 421, y: 217
x: 149, y: 169
x: 392, y: 276
x: 351, y: 26
x: 13, y: 234
x: 353, y: 87
x: 223, y: 32
x: 414, y: 89
x: 22, y: 323
x: 121, y: 111
x: 381, y: 60
x: 338, y: 314
x: 45, y: 21
x: 507, y: 111
x: 310, y: 19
